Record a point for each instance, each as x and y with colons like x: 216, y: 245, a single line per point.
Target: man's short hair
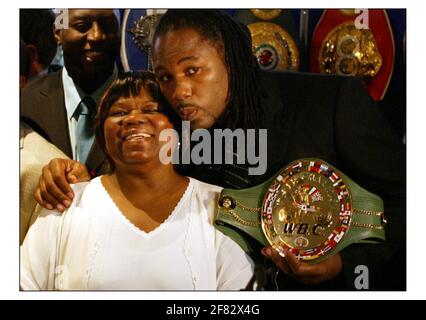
x: 36, y: 28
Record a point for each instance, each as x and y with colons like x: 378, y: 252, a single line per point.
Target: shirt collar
x: 73, y: 94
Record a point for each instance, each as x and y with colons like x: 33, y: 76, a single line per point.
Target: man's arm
x: 54, y: 190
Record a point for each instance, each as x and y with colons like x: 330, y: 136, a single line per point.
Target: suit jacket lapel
x: 57, y: 122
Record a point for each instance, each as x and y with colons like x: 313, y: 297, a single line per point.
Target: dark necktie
x: 84, y: 137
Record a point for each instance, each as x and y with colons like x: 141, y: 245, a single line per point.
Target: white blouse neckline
x: 178, y: 208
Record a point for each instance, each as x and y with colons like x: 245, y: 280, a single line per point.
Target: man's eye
x: 81, y: 27
x: 192, y: 70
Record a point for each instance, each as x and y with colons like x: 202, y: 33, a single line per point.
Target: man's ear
x: 32, y: 52
x: 58, y: 35
x: 35, y: 65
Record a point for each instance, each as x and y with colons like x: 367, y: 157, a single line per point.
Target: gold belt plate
x: 307, y: 210
x: 273, y: 47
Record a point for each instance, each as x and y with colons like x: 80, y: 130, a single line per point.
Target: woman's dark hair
x: 130, y: 84
x: 243, y: 102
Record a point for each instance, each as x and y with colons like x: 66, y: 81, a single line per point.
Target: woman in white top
x: 143, y: 227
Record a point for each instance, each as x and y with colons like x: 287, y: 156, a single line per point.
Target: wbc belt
x: 309, y: 208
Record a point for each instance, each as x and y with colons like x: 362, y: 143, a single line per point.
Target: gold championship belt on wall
x: 273, y: 47
x: 355, y: 44
x: 309, y: 208
x: 349, y: 51
x: 138, y: 27
x: 266, y: 14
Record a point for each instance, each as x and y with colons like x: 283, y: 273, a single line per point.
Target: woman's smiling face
x: 132, y: 130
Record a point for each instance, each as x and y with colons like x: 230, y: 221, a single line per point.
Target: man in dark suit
x: 203, y: 62
x: 61, y: 105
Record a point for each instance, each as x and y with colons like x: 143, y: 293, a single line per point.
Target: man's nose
x: 95, y: 33
x: 182, y: 91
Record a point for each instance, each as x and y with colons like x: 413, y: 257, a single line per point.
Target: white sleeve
x: 38, y: 252
x: 234, y: 268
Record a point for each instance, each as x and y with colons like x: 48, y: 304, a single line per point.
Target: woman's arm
x: 234, y: 268
x: 53, y: 235
x: 38, y: 252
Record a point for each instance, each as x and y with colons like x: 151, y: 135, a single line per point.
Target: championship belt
x: 309, y: 208
x: 273, y: 47
x: 274, y: 37
x: 266, y: 14
x: 137, y: 31
x: 355, y: 44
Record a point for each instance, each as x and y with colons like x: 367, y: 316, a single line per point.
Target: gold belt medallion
x: 307, y: 210
x: 349, y: 51
x: 273, y: 47
x: 266, y: 14
x: 348, y: 12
